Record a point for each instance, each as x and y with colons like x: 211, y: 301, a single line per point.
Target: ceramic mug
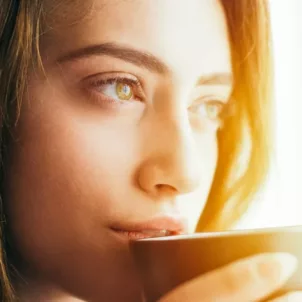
x: 166, y: 262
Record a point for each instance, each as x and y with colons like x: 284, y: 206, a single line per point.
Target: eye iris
x: 213, y: 111
x: 124, y: 91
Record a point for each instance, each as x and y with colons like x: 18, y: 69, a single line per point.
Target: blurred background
x: 280, y: 203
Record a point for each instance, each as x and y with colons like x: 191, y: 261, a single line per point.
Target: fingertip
x: 278, y: 266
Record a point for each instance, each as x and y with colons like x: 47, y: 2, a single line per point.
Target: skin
x: 80, y: 164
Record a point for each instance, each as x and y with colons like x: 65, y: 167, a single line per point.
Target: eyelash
x: 105, y: 100
x: 138, y: 95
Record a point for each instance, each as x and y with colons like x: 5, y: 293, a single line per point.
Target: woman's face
x: 121, y: 130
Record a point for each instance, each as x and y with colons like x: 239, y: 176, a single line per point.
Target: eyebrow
x: 134, y: 56
x: 139, y: 58
x: 223, y: 78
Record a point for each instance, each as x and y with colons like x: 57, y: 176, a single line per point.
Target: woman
x: 122, y: 119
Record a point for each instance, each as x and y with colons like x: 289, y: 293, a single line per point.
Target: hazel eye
x: 209, y: 109
x: 123, y: 91
x: 213, y: 109
x: 118, y: 89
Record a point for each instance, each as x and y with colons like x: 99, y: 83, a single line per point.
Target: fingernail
x: 278, y: 267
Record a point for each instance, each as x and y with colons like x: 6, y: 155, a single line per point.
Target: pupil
x: 126, y: 89
x: 212, y: 111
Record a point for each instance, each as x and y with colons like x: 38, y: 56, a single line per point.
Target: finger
x: 249, y: 279
x: 292, y: 297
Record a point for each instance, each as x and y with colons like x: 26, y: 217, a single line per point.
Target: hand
x: 250, y: 279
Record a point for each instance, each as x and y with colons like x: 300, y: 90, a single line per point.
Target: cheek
x: 69, y: 171
x: 64, y: 183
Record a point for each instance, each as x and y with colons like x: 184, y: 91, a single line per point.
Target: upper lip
x: 173, y: 224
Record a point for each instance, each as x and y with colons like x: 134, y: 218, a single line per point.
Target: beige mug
x: 166, y: 262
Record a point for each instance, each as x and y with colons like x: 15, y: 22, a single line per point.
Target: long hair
x: 243, y: 141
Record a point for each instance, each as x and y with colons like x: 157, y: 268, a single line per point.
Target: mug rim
x: 200, y: 235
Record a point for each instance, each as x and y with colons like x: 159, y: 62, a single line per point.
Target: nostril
x: 165, y: 190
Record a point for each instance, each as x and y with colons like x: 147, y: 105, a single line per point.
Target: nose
x: 172, y: 167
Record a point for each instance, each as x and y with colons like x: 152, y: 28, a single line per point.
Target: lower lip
x: 136, y: 235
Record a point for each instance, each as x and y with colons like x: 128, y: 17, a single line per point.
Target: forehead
x: 184, y: 34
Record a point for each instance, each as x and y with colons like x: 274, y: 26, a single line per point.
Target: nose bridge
x: 178, y: 158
